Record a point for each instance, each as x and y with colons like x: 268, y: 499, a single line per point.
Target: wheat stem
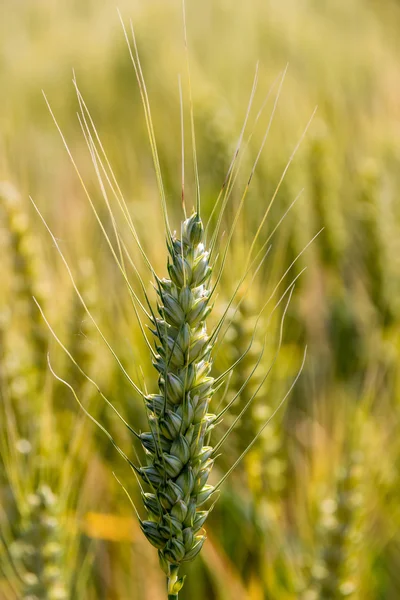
x: 172, y: 579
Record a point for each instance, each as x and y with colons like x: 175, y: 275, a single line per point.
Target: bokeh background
x: 313, y: 512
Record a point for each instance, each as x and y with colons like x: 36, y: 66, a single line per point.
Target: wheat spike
x: 178, y: 459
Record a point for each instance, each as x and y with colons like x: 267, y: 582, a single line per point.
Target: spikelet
x: 38, y: 552
x: 26, y: 280
x: 178, y: 459
x: 333, y: 574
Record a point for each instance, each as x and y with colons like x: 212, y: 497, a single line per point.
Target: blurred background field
x: 314, y: 510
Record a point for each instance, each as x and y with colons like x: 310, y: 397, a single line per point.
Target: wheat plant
x: 178, y: 451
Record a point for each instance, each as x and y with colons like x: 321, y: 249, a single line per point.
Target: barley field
x: 199, y: 300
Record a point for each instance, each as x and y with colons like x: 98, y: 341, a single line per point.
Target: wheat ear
x: 179, y: 461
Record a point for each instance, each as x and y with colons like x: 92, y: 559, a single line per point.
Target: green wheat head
x: 179, y: 459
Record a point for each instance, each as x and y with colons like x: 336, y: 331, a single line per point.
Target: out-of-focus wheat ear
x: 20, y: 399
x: 265, y: 465
x: 260, y: 384
x: 333, y: 572
x: 239, y: 155
x: 10, y: 431
x: 27, y: 277
x: 39, y: 550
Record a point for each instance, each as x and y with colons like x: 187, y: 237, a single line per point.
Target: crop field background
x: 313, y: 510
